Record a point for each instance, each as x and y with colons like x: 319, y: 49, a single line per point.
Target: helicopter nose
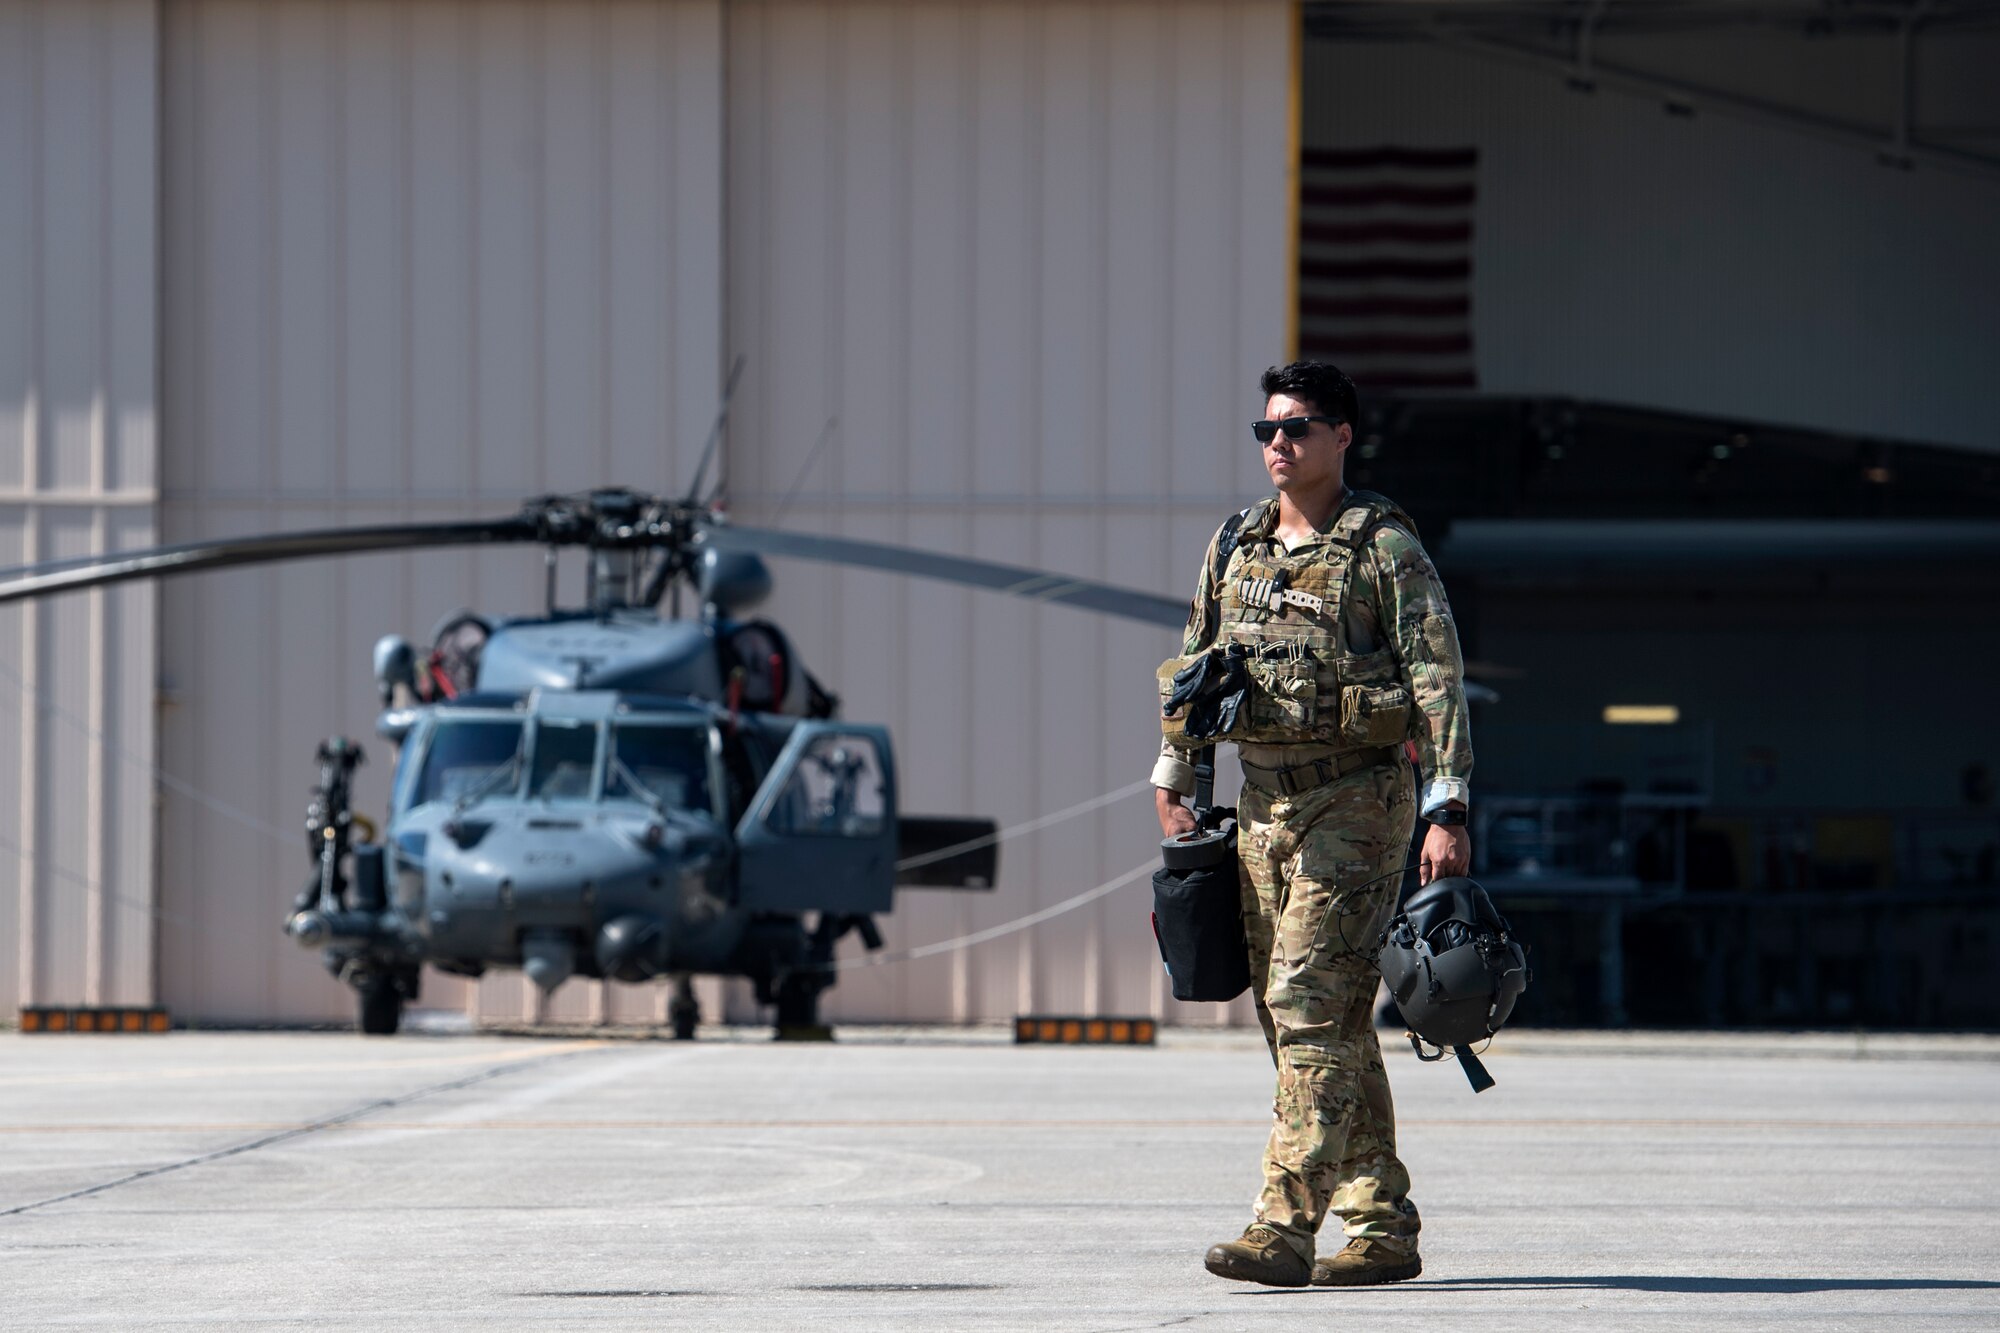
x: 544, y: 893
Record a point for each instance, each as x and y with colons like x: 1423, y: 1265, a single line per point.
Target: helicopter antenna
x: 671, y: 558
x: 805, y: 469
x: 715, y: 432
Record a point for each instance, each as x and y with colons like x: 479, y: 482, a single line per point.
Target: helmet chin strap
x: 1475, y: 1070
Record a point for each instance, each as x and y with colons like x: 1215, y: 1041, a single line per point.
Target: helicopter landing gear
x: 797, y: 1000
x: 684, y: 1011
x: 797, y: 993
x: 381, y: 1008
x: 382, y: 996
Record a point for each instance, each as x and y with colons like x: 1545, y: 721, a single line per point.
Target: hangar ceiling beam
x: 1563, y: 39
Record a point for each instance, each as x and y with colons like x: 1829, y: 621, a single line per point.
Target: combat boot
x: 1365, y: 1263
x: 1260, y: 1255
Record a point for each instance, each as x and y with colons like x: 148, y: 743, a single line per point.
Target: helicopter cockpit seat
x: 457, y: 644
x: 765, y: 674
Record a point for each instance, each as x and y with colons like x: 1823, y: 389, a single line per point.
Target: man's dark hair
x: 1324, y: 386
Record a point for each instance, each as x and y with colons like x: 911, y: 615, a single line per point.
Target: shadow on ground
x: 1731, y: 1286
x: 1680, y: 1286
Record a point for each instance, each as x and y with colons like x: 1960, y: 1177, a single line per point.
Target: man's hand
x: 1447, y: 852
x: 1175, y: 818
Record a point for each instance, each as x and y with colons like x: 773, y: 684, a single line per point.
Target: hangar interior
x: 1716, y: 275
x: 1679, y: 320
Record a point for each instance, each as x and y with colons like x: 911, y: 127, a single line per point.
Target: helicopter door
x: 820, y: 834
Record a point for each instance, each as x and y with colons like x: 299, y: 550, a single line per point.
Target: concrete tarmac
x: 949, y: 1180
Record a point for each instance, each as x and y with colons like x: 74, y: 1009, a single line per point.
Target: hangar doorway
x: 1686, y: 384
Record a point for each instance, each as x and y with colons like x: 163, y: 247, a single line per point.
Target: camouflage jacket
x: 1398, y: 602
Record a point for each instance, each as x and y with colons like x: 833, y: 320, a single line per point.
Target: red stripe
x: 1414, y: 344
x: 1423, y: 196
x: 1363, y: 233
x: 1408, y: 379
x: 1367, y: 307
x: 1408, y: 270
x: 1420, y: 159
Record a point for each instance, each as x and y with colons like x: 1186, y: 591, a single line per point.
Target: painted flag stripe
x: 1415, y: 159
x: 1313, y: 195
x: 1383, y: 344
x: 1402, y: 377
x: 1377, y: 233
x: 1386, y: 307
x: 1406, y: 270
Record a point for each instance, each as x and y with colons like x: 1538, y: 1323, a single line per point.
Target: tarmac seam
x: 1242, y: 1122
x: 300, y: 1131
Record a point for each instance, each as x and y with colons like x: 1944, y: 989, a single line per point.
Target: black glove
x: 1212, y: 689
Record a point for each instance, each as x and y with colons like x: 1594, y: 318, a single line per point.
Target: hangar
x: 1001, y: 274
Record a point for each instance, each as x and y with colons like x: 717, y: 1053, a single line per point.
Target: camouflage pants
x: 1307, y: 862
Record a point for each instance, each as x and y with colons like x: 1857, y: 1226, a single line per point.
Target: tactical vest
x: 1287, y: 612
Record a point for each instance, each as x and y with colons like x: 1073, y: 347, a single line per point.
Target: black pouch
x: 1198, y: 913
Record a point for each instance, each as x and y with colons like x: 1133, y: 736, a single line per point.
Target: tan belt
x: 1317, y: 772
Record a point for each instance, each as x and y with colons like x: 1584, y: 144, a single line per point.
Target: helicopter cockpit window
x: 836, y: 791
x: 565, y: 760
x: 465, y: 753
x: 669, y: 763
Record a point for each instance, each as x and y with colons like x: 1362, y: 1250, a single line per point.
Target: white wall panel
x: 1699, y: 264
x: 422, y: 260
x: 77, y: 281
x: 1029, y: 258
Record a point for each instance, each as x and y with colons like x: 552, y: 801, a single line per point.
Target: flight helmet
x: 1454, y: 970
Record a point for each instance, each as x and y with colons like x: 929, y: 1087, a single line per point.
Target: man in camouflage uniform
x: 1350, y: 650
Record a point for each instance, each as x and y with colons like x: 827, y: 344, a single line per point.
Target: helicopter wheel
x: 381, y: 1007
x: 798, y: 1010
x: 684, y: 1011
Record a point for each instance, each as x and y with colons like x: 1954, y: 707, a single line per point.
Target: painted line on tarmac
x: 348, y: 1122
x: 262, y: 1070
x: 506, y: 1065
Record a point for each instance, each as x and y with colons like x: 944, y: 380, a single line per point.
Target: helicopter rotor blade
x: 1011, y: 580
x: 96, y: 571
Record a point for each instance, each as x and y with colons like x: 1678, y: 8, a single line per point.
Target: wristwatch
x: 1448, y: 816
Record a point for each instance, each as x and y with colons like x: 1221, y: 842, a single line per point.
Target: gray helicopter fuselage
x: 528, y: 860
x: 629, y: 650
x: 517, y: 881
x: 617, y: 835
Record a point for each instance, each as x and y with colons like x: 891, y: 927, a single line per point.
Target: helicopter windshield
x: 565, y: 760
x: 669, y: 762
x: 463, y: 754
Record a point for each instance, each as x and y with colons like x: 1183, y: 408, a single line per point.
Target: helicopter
x: 606, y: 791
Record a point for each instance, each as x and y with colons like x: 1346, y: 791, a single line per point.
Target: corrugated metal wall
x: 77, y: 283
x: 1027, y: 258
x: 421, y: 261
x: 1699, y: 264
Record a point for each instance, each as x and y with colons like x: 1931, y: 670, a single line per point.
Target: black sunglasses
x: 1295, y: 428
